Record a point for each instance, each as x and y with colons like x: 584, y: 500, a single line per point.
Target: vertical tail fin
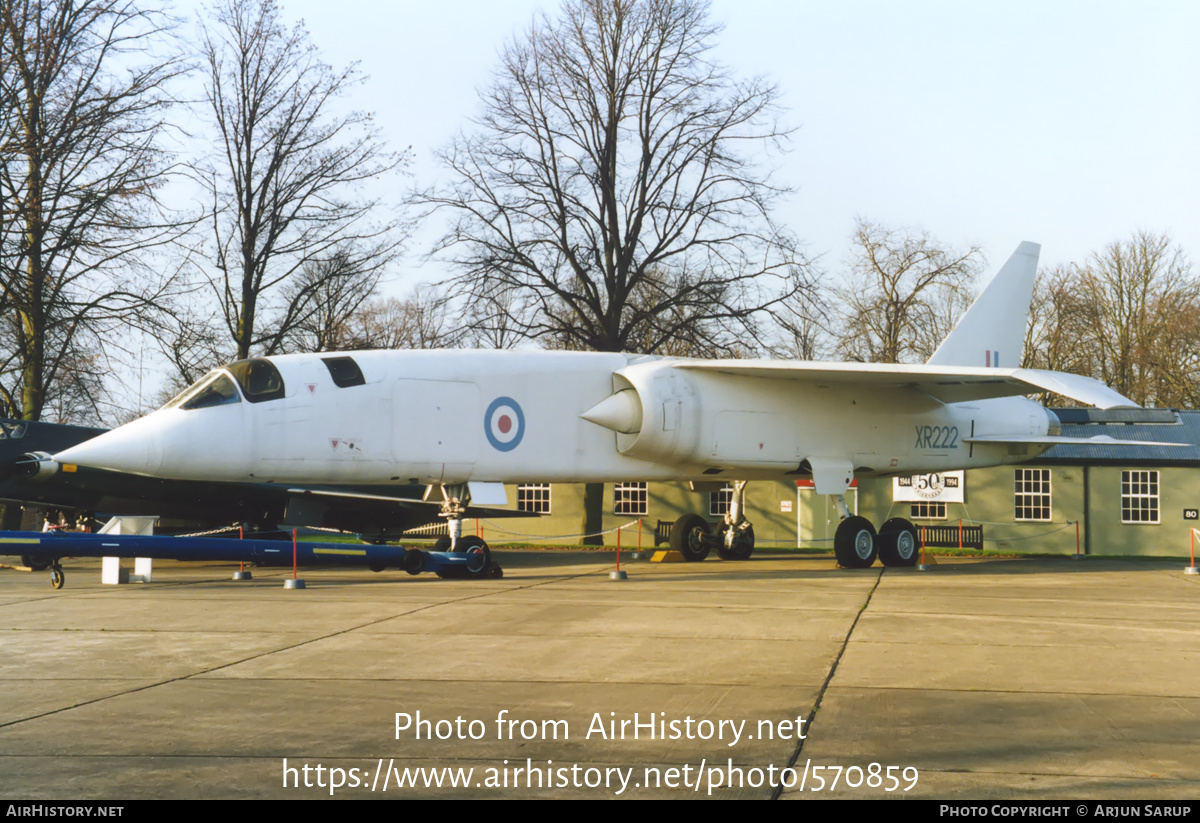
x: 992, y: 332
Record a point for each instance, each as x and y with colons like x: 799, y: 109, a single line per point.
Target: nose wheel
x: 739, y: 545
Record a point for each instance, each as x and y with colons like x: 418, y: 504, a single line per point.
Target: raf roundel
x: 504, y: 424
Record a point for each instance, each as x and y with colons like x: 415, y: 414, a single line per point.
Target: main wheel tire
x: 689, y: 537
x: 898, y: 543
x: 854, y: 543
x: 743, y: 545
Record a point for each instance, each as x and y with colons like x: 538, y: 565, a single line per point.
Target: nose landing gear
x: 694, y: 537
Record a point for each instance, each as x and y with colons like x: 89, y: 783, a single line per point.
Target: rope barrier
x: 210, y: 531
x: 492, y: 525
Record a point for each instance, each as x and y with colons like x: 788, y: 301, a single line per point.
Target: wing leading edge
x: 949, y: 384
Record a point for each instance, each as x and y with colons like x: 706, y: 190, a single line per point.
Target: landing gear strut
x: 455, y: 498
x: 737, y: 532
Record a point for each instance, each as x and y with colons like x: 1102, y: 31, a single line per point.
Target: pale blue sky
x: 1068, y: 123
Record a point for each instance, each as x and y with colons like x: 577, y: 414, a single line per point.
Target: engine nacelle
x: 655, y: 411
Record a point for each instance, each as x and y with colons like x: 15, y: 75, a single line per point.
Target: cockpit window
x: 259, y: 379
x: 344, y: 371
x: 219, y: 392
x: 12, y: 429
x: 214, y: 389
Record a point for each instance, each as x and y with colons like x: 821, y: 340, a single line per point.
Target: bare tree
x: 1060, y: 325
x: 1130, y: 316
x: 420, y: 321
x: 1136, y: 292
x: 191, y: 342
x: 284, y: 179
x: 905, y: 294
x: 802, y: 325
x: 82, y: 105
x: 488, y: 323
x: 610, y: 194
x: 323, y: 298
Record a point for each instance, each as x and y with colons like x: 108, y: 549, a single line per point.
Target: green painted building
x: 1113, y: 500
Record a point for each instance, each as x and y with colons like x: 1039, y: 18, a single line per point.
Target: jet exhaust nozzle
x: 1054, y: 426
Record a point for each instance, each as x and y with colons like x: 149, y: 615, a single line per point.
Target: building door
x: 817, y: 515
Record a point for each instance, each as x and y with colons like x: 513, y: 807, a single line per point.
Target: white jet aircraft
x: 465, y: 422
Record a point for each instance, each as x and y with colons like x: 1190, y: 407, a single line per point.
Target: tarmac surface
x: 979, y: 679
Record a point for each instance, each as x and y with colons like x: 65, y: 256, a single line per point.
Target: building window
x: 534, y: 498
x: 1031, y: 494
x: 720, y: 501
x: 927, y: 511
x: 1139, y: 497
x: 629, y: 498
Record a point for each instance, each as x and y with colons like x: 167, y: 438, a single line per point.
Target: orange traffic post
x: 618, y: 574
x: 921, y: 566
x: 295, y: 582
x: 241, y: 573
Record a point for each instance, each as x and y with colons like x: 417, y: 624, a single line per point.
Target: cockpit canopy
x: 258, y: 380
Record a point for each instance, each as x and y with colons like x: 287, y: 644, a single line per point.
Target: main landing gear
x: 856, y: 544
x: 694, y: 537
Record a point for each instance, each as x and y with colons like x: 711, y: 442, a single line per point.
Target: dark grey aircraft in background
x: 30, y: 477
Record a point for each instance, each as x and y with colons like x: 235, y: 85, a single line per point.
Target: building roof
x: 1159, y: 425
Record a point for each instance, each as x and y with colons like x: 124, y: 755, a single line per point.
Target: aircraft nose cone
x: 134, y: 449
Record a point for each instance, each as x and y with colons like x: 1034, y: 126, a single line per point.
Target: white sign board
x: 946, y: 487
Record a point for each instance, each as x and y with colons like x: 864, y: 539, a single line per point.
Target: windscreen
x: 214, y: 389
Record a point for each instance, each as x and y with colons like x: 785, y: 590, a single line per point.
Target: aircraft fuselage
x: 453, y: 416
